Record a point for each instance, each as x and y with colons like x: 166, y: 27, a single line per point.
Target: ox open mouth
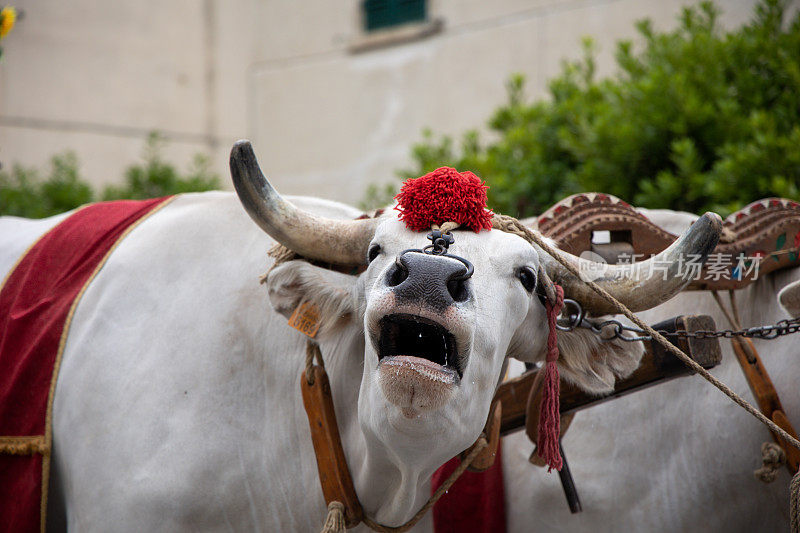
x: 414, y: 336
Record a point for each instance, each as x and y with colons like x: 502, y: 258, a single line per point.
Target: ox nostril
x: 397, y: 274
x: 457, y: 287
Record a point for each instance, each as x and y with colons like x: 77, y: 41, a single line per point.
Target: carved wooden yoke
x: 761, y: 238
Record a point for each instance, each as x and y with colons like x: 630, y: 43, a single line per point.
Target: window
x: 381, y: 14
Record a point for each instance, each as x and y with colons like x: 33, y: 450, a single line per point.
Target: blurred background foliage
x: 24, y: 192
x: 695, y: 119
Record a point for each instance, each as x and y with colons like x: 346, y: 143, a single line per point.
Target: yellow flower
x: 7, y: 18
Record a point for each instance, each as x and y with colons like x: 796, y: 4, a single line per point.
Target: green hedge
x: 695, y: 119
x: 24, y: 193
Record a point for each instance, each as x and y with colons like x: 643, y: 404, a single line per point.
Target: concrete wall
x: 95, y: 77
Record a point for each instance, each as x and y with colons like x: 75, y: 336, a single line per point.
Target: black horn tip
x: 705, y: 233
x: 714, y: 219
x: 711, y: 222
x: 245, y: 171
x: 242, y: 150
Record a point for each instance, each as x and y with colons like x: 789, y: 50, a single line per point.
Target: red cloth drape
x: 35, y: 302
x: 475, y: 503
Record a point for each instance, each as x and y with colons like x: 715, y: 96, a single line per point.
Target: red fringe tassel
x: 549, y: 416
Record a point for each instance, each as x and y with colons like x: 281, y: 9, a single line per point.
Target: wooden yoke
x: 657, y: 366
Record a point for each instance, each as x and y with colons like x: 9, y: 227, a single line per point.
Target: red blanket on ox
x: 475, y: 503
x: 36, y: 303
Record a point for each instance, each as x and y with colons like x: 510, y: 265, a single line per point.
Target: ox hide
x: 679, y: 456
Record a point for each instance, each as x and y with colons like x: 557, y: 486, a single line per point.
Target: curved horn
x: 643, y: 285
x: 343, y: 242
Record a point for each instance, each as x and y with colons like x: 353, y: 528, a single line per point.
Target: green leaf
x: 23, y: 193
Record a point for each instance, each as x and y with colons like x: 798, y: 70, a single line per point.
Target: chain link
x: 609, y: 330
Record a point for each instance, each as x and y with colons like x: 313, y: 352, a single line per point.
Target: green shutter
x: 386, y: 13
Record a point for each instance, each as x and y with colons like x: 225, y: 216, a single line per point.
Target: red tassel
x: 550, y: 416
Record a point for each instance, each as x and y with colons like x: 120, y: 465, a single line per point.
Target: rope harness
x: 339, y: 516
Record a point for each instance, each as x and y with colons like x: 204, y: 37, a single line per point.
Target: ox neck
x: 390, y: 489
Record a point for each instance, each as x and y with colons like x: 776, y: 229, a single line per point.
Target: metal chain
x: 573, y: 317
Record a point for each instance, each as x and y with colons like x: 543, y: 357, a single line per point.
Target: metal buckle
x: 573, y: 320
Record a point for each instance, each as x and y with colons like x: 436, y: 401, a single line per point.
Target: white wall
x: 95, y: 77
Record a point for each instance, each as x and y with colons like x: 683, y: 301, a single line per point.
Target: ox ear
x: 297, y: 282
x: 593, y: 364
x: 789, y: 298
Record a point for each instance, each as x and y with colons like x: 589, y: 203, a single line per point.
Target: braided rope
x: 446, y: 227
x: 335, y: 522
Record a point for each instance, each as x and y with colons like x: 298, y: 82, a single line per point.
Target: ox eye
x: 527, y: 277
x: 373, y: 252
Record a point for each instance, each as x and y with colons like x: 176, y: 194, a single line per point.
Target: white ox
x: 177, y: 405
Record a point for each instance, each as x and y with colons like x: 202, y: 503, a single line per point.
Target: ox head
x: 436, y: 338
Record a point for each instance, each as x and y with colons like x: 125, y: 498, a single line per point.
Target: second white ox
x: 178, y: 405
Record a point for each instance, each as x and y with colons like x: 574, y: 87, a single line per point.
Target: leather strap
x: 533, y: 407
x: 334, y: 475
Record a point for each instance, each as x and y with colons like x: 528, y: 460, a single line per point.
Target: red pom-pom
x: 441, y: 196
